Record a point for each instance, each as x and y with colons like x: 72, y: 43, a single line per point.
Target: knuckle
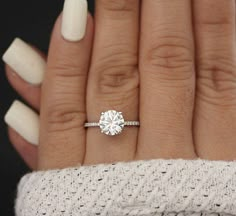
x: 64, y: 117
x: 68, y: 68
x: 216, y: 80
x: 117, y: 73
x: 114, y: 80
x: 217, y: 67
x: 121, y: 5
x: 221, y: 27
x: 219, y: 70
x: 170, y: 58
x: 219, y: 15
x: 126, y: 101
x: 221, y: 19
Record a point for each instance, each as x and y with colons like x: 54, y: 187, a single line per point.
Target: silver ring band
x: 127, y: 123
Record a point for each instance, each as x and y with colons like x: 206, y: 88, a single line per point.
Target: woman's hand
x: 168, y: 63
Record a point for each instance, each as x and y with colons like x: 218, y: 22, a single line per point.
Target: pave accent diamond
x: 111, y: 122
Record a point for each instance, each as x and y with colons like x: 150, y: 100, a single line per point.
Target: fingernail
x: 24, y: 121
x: 25, y: 61
x: 74, y: 19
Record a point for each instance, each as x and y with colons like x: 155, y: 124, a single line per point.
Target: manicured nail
x: 25, y: 61
x: 74, y: 19
x: 24, y: 121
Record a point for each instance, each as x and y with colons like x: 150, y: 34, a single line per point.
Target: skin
x: 169, y: 63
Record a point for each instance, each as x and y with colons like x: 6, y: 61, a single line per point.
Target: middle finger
x: 167, y: 80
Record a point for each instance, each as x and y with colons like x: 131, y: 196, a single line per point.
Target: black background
x: 32, y: 21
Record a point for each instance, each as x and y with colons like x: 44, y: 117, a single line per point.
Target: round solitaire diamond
x: 111, y: 122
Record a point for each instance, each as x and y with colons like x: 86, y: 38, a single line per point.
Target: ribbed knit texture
x: 139, y: 188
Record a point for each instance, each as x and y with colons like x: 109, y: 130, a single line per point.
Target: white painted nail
x: 74, y: 19
x: 24, y: 121
x: 25, y: 61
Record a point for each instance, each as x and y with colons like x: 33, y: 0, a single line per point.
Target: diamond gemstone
x: 111, y: 122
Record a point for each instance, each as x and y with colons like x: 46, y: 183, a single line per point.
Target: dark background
x: 32, y: 21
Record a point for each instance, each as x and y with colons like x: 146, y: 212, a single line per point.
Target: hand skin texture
x: 169, y: 63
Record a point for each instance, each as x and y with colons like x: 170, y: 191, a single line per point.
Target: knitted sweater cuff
x: 138, y: 188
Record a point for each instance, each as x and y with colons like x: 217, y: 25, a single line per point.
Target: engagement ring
x: 112, y: 123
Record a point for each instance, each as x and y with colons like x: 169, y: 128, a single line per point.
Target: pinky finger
x: 25, y: 67
x: 24, y: 131
x: 26, y: 150
x: 27, y: 91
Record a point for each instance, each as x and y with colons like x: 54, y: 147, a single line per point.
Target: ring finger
x: 113, y: 79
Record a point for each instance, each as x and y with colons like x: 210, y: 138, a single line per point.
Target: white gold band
x: 127, y: 123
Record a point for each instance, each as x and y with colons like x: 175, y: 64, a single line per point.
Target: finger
x: 113, y: 79
x: 25, y: 68
x: 166, y: 80
x: 63, y: 112
x: 26, y: 150
x: 25, y: 61
x: 23, y: 125
x: 24, y: 121
x: 30, y: 93
x: 215, y: 117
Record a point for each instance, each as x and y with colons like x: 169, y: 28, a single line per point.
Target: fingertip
x: 59, y: 36
x: 25, y: 61
x: 27, y: 151
x: 24, y: 121
x: 30, y: 93
x: 74, y: 20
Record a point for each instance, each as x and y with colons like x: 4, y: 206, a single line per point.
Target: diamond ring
x: 112, y: 123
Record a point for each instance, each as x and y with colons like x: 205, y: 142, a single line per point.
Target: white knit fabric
x: 139, y: 188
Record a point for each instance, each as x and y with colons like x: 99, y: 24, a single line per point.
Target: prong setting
x: 111, y: 122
